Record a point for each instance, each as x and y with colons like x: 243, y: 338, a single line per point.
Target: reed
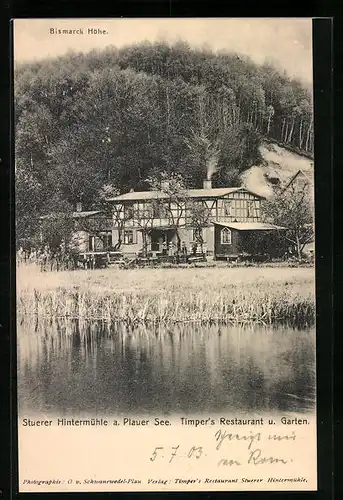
x: 239, y: 295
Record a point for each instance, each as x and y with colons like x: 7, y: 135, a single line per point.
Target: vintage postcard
x: 164, y: 213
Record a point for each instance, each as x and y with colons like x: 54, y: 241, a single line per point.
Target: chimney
x: 207, y: 184
x: 79, y: 206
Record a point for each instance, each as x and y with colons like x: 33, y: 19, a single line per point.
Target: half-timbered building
x: 224, y: 222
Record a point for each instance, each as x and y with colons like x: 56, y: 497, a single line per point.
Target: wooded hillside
x: 117, y: 117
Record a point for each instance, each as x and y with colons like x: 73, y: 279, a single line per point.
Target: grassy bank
x: 228, y: 295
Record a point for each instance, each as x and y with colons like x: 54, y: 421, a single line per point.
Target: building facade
x: 216, y: 220
x: 87, y: 231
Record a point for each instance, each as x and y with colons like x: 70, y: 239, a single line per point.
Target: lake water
x: 95, y: 369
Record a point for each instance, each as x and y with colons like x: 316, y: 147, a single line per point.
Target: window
x: 225, y: 236
x: 129, y: 237
x: 107, y: 241
x: 250, y: 212
x: 91, y: 243
x: 227, y: 208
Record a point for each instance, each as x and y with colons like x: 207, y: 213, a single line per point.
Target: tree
x: 112, y: 210
x: 204, y: 153
x: 226, y: 106
x: 292, y: 207
x: 72, y: 161
x: 144, y: 217
x: 172, y: 199
x: 199, y: 216
x: 269, y: 115
x: 28, y: 199
x: 57, y: 225
x: 118, y: 116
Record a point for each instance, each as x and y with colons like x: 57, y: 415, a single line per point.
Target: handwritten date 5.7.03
x: 161, y: 452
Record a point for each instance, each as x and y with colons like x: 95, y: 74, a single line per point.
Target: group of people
x: 46, y: 258
x: 171, y: 249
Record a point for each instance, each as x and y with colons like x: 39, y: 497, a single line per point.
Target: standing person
x: 183, y: 249
x: 164, y: 247
x: 93, y: 261
x: 171, y: 249
x: 26, y: 254
x: 32, y: 255
x: 44, y: 258
x: 20, y: 254
x: 194, y: 248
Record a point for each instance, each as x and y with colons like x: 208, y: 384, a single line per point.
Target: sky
x: 287, y: 42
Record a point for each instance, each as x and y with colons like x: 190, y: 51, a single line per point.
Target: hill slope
x: 119, y: 117
x: 278, y: 165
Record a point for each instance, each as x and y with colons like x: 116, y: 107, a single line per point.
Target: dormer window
x: 226, y: 236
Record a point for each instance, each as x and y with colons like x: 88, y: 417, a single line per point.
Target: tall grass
x: 239, y: 295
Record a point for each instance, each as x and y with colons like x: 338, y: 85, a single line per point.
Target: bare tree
x: 172, y: 199
x: 120, y: 218
x: 114, y: 211
x: 199, y: 216
x: 292, y: 207
x: 143, y: 217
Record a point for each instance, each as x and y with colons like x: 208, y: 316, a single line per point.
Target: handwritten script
x: 251, y: 449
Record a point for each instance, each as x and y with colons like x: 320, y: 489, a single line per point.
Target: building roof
x: 75, y: 215
x: 250, y: 226
x: 86, y: 214
x: 192, y: 193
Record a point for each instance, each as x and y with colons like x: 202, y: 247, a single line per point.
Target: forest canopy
x: 120, y: 116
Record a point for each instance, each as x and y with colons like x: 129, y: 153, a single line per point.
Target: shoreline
x: 170, y: 296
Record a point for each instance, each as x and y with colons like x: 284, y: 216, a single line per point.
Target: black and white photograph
x: 165, y: 252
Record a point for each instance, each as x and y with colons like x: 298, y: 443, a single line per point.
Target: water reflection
x: 73, y: 367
